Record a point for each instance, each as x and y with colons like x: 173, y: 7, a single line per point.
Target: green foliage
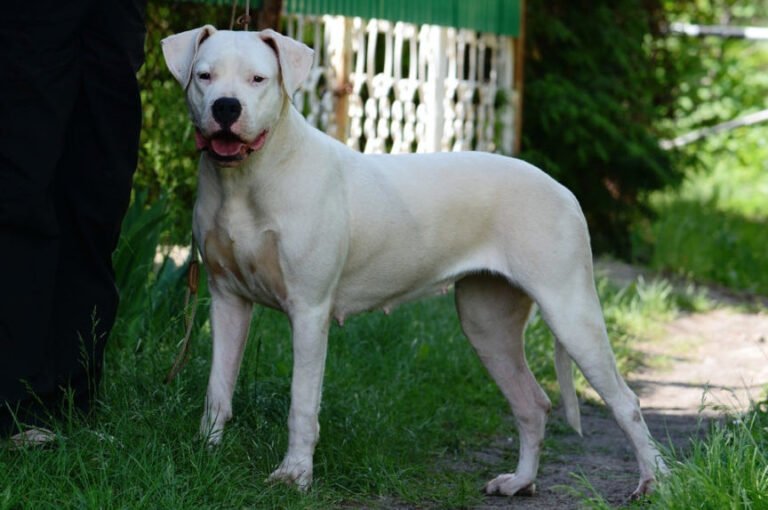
x: 600, y: 92
x: 697, y: 240
x: 718, y: 79
x: 151, y: 293
x: 596, y: 87
x: 714, y: 226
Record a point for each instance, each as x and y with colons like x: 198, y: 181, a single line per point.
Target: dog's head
x: 236, y: 85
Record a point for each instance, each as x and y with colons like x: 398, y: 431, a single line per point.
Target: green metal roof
x: 495, y: 16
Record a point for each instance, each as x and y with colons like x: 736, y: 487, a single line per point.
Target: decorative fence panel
x: 385, y: 86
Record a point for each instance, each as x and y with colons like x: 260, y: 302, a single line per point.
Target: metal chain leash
x: 245, y: 20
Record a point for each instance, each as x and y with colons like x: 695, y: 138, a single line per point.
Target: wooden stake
x: 519, y: 67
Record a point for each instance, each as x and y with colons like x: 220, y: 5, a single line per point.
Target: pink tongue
x: 226, y: 147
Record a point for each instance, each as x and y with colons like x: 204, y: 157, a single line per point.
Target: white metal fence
x: 383, y: 86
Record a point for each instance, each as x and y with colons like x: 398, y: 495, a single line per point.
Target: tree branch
x: 698, y: 134
x: 751, y: 33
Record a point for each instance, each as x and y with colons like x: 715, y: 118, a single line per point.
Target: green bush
x: 713, y: 226
x: 598, y: 81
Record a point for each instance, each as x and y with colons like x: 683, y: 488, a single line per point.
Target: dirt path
x: 706, y: 362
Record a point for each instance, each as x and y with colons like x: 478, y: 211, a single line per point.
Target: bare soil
x: 704, y: 364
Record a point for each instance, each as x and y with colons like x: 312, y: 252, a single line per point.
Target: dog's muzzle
x: 226, y: 147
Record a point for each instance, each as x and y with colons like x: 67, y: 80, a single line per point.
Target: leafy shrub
x: 713, y: 226
x: 597, y: 84
x: 151, y: 293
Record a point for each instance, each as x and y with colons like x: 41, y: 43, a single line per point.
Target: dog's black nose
x: 226, y: 110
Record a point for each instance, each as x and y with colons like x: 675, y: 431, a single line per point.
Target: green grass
x: 405, y: 402
x: 715, y: 227
x: 727, y: 471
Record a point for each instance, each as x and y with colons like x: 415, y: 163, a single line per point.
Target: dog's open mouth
x: 227, y: 147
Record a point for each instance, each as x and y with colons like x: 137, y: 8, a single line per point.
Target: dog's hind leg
x: 570, y: 306
x: 493, y: 315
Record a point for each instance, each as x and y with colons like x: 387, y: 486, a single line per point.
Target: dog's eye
x: 258, y: 79
x: 204, y: 76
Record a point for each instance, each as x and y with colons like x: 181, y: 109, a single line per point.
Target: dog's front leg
x: 230, y: 319
x: 310, y: 342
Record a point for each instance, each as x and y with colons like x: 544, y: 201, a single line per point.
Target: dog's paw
x: 211, y: 437
x: 509, y: 485
x: 644, y: 488
x: 212, y: 442
x: 294, y: 471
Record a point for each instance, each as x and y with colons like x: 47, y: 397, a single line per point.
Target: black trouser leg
x: 41, y: 62
x: 70, y: 118
x: 92, y: 193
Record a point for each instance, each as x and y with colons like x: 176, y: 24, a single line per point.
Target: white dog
x: 289, y: 218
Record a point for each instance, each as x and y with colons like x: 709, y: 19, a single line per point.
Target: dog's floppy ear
x: 180, y: 50
x: 295, y: 58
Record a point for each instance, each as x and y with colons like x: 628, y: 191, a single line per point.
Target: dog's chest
x: 246, y: 263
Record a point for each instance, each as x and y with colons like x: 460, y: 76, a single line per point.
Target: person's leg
x: 40, y: 59
x: 70, y: 119
x: 92, y: 191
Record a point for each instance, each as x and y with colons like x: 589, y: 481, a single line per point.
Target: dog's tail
x: 564, y: 370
